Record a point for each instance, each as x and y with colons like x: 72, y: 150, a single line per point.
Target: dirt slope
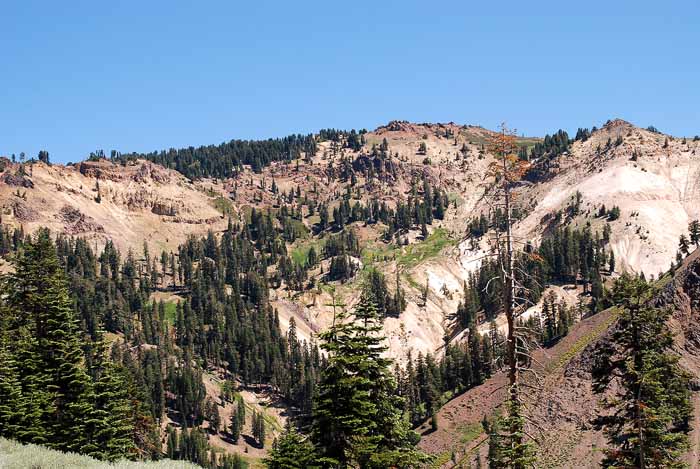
x: 460, y: 433
x: 141, y: 202
x: 562, y: 405
x: 653, y: 178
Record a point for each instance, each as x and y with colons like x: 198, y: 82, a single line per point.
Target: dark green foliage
x: 357, y: 415
x: 291, y: 451
x: 507, y: 446
x: 193, y: 446
x: 343, y: 243
x: 423, y: 382
x: 386, y: 303
x: 544, y: 154
x: 353, y: 139
x: 478, y: 226
x: 259, y: 428
x: 424, y: 204
x: 582, y: 134
x: 13, y: 406
x: 171, y: 444
x: 694, y: 231
x: 224, y: 319
x: 44, y: 371
x: 10, y: 239
x: 342, y: 268
x: 39, y: 302
x: 236, y: 424
x: 111, y: 423
x: 222, y: 161
x: 683, y: 245
x: 648, y: 424
x: 556, y: 320
x: 552, y: 145
x: 44, y: 156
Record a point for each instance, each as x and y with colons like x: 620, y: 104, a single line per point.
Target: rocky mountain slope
x: 98, y: 200
x: 560, y: 401
x: 654, y: 179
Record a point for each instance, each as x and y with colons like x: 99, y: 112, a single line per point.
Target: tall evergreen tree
x: 649, y: 422
x: 357, y: 418
x: 112, y: 418
x: 39, y: 297
x: 12, y: 408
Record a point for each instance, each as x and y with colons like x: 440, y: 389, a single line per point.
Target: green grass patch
x: 300, y: 229
x: 412, y: 282
x: 170, y: 312
x: 664, y: 280
x: 441, y: 459
x: 378, y: 252
x: 411, y: 255
x: 454, y: 197
x: 223, y: 205
x: 469, y: 432
x: 415, y: 254
x: 300, y: 253
x: 583, y: 342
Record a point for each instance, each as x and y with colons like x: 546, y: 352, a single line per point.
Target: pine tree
x: 258, y: 420
x: 510, y: 450
x: 648, y: 425
x: 111, y: 421
x: 290, y: 451
x: 357, y: 418
x: 240, y: 409
x: 611, y: 266
x: 684, y: 245
x: 171, y: 450
x: 236, y: 425
x: 694, y: 230
x: 12, y: 407
x: 37, y: 402
x: 39, y: 297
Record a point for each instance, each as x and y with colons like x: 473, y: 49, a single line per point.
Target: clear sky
x: 76, y: 76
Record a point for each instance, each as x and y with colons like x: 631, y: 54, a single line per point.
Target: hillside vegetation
x: 207, y: 280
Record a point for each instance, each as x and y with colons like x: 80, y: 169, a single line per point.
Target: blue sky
x: 137, y: 76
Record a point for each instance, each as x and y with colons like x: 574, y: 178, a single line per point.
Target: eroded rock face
x: 17, y: 180
x: 23, y: 211
x: 77, y: 222
x: 164, y: 209
x: 146, y: 172
x: 140, y: 171
x: 682, y: 294
x: 617, y: 123
x: 101, y: 170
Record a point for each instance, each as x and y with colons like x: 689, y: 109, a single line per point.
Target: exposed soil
x: 554, y: 388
